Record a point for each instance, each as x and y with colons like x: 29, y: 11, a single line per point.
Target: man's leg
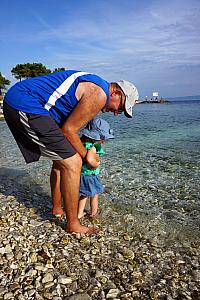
x: 70, y: 170
x: 55, y: 190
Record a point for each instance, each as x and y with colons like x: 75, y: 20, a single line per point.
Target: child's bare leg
x: 81, y: 206
x: 94, y: 204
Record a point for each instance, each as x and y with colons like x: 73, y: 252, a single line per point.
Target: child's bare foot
x: 95, y: 215
x: 80, y: 216
x: 95, y: 219
x: 81, y: 229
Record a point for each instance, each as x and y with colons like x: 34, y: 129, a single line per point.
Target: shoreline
x: 39, y: 260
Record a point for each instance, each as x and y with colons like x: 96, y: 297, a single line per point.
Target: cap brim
x: 109, y: 137
x: 128, y: 110
x: 96, y: 136
x: 127, y: 115
x: 91, y: 135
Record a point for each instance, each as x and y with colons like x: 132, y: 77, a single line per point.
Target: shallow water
x: 151, y: 170
x: 154, y: 165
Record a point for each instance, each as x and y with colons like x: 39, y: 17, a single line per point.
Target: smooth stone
x: 80, y: 297
x: 64, y: 280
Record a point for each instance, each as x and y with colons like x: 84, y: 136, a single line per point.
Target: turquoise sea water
x: 151, y: 170
x: 154, y: 165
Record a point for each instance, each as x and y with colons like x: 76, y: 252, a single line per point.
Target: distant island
x: 169, y: 99
x: 152, y: 100
x: 155, y: 98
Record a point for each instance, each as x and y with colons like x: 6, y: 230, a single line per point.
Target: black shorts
x: 37, y: 135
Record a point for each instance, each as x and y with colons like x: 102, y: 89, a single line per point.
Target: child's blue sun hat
x: 98, y: 129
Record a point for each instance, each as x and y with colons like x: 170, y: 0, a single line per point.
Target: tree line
x: 25, y: 71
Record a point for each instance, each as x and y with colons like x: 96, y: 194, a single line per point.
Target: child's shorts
x: 90, y: 185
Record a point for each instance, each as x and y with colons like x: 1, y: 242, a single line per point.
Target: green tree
x: 28, y: 70
x: 3, y: 83
x: 58, y: 70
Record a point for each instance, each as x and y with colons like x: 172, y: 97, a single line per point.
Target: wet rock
x: 112, y: 294
x: 64, y: 280
x: 47, y: 278
x: 80, y: 297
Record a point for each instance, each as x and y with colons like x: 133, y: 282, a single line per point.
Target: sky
x: 153, y: 43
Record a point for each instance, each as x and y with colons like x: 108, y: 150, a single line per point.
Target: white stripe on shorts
x: 44, y: 151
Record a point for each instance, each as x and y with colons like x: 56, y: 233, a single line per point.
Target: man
x: 45, y: 114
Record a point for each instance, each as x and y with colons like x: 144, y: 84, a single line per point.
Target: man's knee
x: 73, y: 163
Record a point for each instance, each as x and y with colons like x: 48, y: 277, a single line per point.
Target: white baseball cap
x: 131, y: 94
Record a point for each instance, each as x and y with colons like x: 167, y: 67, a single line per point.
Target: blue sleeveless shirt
x: 52, y: 94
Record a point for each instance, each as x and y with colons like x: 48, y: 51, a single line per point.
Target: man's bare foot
x: 58, y: 212
x: 81, y: 229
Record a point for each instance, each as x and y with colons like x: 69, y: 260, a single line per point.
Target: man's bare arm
x: 91, y: 100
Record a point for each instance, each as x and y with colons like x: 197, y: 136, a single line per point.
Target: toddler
x: 93, y: 135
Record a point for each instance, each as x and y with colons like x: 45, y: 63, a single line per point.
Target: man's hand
x: 92, y: 159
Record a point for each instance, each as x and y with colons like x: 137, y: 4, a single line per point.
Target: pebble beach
x: 39, y: 260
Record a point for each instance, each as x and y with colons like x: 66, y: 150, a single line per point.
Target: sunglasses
x: 121, y: 106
